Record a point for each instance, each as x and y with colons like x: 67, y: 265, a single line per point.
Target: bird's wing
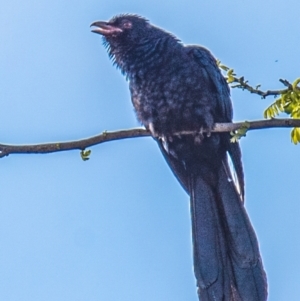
x: 176, y: 166
x: 206, y: 60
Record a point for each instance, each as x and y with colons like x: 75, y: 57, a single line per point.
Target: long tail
x: 227, y: 262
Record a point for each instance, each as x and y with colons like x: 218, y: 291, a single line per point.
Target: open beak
x: 104, y: 28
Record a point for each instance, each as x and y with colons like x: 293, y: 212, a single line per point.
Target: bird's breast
x: 172, y: 99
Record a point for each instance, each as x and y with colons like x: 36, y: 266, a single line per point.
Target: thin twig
x: 242, y: 84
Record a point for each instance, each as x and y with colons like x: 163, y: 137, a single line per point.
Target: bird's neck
x: 147, y: 54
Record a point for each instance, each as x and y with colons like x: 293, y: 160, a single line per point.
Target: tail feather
x: 205, y: 233
x: 227, y: 261
x: 239, y: 232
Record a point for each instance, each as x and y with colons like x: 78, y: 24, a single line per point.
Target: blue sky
x: 117, y: 227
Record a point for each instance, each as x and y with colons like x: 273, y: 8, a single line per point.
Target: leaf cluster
x: 240, y: 132
x: 288, y: 101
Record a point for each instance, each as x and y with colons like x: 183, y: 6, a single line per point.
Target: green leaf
x: 85, y: 154
x: 295, y: 83
x: 295, y: 135
x: 221, y: 66
x: 239, y: 133
x: 230, y: 76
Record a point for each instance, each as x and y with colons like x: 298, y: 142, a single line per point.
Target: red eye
x: 127, y: 24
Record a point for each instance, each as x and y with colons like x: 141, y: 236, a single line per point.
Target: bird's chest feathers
x: 167, y: 96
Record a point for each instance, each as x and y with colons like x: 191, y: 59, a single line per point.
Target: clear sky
x: 117, y: 227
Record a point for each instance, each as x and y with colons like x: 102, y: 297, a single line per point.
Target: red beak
x: 104, y: 28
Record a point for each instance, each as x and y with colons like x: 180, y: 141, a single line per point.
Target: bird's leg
x: 208, y: 132
x: 199, y: 136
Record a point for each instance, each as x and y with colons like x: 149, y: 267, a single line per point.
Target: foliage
x: 85, y: 154
x: 288, y: 101
x: 239, y: 133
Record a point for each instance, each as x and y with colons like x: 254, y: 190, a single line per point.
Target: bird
x: 178, y: 89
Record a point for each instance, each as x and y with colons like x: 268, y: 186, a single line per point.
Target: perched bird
x: 177, y: 88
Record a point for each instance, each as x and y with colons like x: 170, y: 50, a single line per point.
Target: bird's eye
x: 127, y: 24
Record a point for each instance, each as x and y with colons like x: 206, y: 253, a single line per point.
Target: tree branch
x: 242, y: 84
x: 6, y: 150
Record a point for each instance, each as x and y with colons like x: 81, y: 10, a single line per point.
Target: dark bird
x: 176, y: 88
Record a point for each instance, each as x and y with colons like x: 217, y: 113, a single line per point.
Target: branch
x: 242, y: 84
x: 5, y: 150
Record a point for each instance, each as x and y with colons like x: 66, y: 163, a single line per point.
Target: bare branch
x: 5, y: 150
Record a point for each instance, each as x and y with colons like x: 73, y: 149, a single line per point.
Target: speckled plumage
x: 180, y: 88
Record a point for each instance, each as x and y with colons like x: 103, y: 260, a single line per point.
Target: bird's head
x: 128, y: 37
x: 124, y: 28
x: 128, y: 29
